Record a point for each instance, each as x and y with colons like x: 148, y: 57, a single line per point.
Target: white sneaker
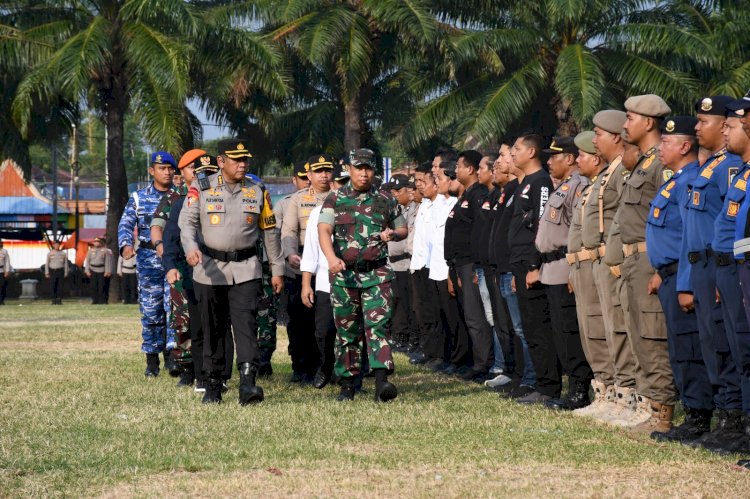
x: 498, y: 380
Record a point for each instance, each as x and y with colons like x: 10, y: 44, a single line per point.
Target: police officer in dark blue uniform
x: 728, y: 282
x: 678, y: 152
x: 707, y: 195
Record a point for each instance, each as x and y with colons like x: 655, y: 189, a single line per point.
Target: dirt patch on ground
x: 672, y: 480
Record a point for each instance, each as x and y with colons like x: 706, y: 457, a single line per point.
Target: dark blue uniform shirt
x: 725, y: 224
x: 666, y: 219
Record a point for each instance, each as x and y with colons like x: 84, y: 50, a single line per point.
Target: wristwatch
x: 157, y: 243
x: 532, y: 268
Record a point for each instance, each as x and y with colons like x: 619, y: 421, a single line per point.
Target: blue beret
x: 163, y: 158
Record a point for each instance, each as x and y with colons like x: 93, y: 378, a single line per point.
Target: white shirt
x: 313, y: 260
x: 438, y: 265
x: 420, y: 256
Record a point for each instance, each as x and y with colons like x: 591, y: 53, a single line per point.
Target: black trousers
x: 456, y: 347
x: 427, y: 310
x: 402, y: 325
x: 562, y: 311
x: 501, y: 318
x: 220, y: 308
x: 537, y: 329
x: 303, y: 348
x: 476, y: 322
x: 129, y: 288
x: 3, y: 287
x: 57, y: 278
x: 97, y: 288
x: 325, y: 331
x: 196, y: 332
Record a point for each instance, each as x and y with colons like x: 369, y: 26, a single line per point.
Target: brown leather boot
x: 660, y: 420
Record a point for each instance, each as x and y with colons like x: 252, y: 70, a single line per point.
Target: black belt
x: 367, y: 266
x: 404, y: 256
x: 230, y: 256
x: 668, y: 270
x: 554, y: 256
x: 724, y: 259
x: 96, y: 266
x: 697, y: 256
x: 128, y: 268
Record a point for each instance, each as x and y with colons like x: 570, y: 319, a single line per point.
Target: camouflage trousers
x: 351, y: 307
x: 179, y: 321
x: 266, y: 319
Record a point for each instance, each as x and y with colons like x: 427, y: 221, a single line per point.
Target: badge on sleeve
x: 666, y: 174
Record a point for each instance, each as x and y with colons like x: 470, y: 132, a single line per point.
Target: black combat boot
x: 265, y: 370
x: 577, y: 398
x: 152, y: 365
x: 249, y: 393
x: 213, y: 391
x: 170, y: 364
x: 740, y: 445
x: 728, y: 430
x: 347, y: 390
x: 697, y: 423
x: 187, y: 376
x: 384, y: 390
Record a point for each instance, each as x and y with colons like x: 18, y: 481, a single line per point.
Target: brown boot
x: 660, y: 420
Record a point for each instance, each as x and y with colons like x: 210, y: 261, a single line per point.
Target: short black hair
x: 535, y: 141
x: 446, y: 154
x: 471, y: 158
x: 425, y: 167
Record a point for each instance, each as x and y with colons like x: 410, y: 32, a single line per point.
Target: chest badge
x: 215, y: 219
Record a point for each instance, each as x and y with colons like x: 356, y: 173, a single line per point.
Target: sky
x: 210, y: 130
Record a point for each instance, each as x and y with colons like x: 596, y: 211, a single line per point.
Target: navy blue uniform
x: 667, y: 254
x: 707, y: 195
x: 728, y: 281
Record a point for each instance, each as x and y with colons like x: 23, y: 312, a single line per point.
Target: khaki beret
x: 585, y: 141
x: 648, y: 105
x: 610, y: 120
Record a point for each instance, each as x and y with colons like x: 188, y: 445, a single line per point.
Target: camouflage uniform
x: 178, y: 317
x: 362, y: 291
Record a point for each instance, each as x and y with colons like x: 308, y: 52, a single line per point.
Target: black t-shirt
x: 458, y: 227
x: 503, y: 210
x: 480, y: 232
x: 531, y: 198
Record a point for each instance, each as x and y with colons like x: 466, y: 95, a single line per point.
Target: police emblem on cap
x: 669, y: 126
x: 321, y: 159
x: 707, y: 104
x: 205, y: 160
x: 307, y: 167
x: 158, y: 158
x: 240, y: 146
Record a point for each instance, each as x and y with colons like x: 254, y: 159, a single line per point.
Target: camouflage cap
x: 362, y: 157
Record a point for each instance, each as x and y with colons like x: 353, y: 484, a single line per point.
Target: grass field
x: 77, y: 418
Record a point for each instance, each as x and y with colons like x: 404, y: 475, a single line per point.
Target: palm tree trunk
x: 566, y: 126
x: 352, y: 123
x: 117, y: 182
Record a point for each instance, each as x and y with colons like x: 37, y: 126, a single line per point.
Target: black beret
x: 679, y: 125
x: 714, y: 105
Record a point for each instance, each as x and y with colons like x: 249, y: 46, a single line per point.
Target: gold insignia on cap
x: 240, y: 146
x: 740, y: 112
x: 307, y: 167
x: 321, y: 159
x: 669, y: 126
x: 158, y: 158
x: 205, y: 160
x: 707, y: 104
x: 554, y: 147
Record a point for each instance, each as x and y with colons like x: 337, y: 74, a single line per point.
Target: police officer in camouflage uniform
x: 361, y: 220
x: 56, y: 269
x: 220, y: 228
x: 151, y: 282
x: 648, y: 335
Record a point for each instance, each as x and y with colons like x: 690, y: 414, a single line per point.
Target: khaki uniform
x: 296, y: 212
x: 590, y: 319
x: 4, y: 269
x: 99, y: 261
x: 56, y: 260
x: 648, y: 336
x: 229, y: 218
x: 598, y: 215
x: 399, y: 252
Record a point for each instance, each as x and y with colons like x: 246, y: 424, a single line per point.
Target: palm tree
x: 353, y: 46
x: 137, y: 56
x: 516, y: 63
